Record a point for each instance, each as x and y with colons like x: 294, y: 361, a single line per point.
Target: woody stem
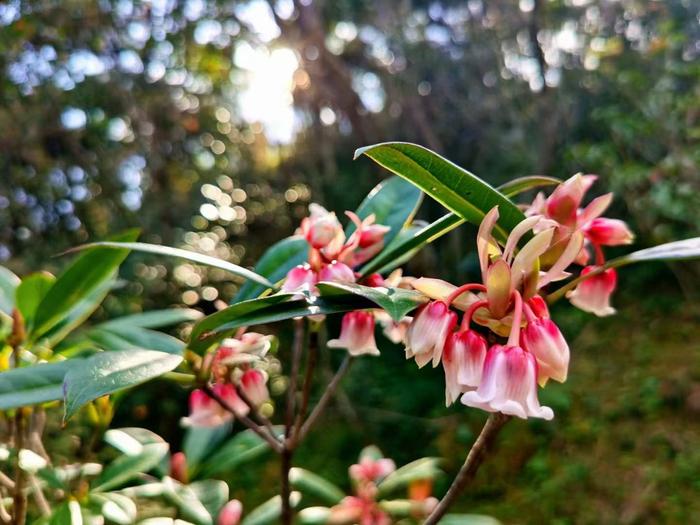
x: 470, y: 467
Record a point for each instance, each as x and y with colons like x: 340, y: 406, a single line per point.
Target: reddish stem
x: 467, y: 319
x: 464, y: 288
x: 514, y: 338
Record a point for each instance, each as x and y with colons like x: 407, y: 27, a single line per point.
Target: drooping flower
x: 321, y: 227
x: 356, y: 334
x: 230, y: 514
x: 545, y: 341
x: 427, y: 334
x: 593, y: 293
x: 509, y: 384
x: 254, y: 386
x: 608, y: 232
x: 337, y: 272
x: 208, y: 412
x: 300, y: 279
x: 371, y: 469
x: 463, y: 361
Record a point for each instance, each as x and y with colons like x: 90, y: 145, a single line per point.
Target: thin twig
x: 311, y: 359
x: 288, y: 448
x: 470, y: 467
x: 39, y: 497
x: 326, y: 397
x: 260, y: 431
x: 6, y: 482
x: 19, y: 497
x: 261, y: 419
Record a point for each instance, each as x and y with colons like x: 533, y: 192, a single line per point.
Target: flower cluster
x: 502, y: 376
x: 239, y: 380
x: 563, y: 209
x: 363, y: 507
x: 332, y: 255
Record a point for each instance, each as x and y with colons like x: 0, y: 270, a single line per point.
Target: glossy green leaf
x: 86, y: 274
x: 212, y: 493
x: 154, y: 318
x: 314, y: 516
x: 131, y: 440
x: 67, y: 513
x: 8, y: 283
x: 522, y: 184
x: 315, y: 486
x: 108, y: 372
x: 270, y: 511
x: 190, y: 507
x: 391, y: 256
x: 424, y: 468
x: 468, y: 519
x: 188, y: 255
x: 274, y: 265
x: 126, y: 468
x: 30, y: 293
x: 242, y: 448
x: 397, y: 302
x: 200, y: 443
x: 116, y: 508
x: 457, y: 189
x: 394, y: 202
x: 123, y: 338
x: 35, y: 384
x: 672, y: 251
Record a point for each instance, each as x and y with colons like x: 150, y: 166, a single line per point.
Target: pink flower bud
x: 539, y: 307
x: 427, y: 334
x: 230, y: 514
x: 300, y: 278
x: 207, y: 412
x: 321, y: 227
x: 356, y: 334
x: 374, y: 280
x: 562, y: 205
x: 337, y: 272
x: 178, y: 467
x: 509, y: 384
x: 254, y: 386
x: 593, y: 294
x: 463, y: 361
x: 609, y: 232
x: 372, y: 234
x: 371, y: 470
x: 544, y: 340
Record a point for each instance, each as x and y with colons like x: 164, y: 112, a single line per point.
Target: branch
x: 260, y: 431
x: 306, y: 388
x: 470, y: 467
x: 326, y: 397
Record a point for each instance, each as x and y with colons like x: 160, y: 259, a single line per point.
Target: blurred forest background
x: 211, y: 125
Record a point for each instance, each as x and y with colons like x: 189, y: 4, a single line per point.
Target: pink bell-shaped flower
x: 357, y: 334
x: 300, y: 278
x: 207, y: 412
x: 427, y: 334
x: 321, y: 227
x: 371, y: 470
x: 463, y: 361
x: 230, y: 514
x: 337, y: 272
x: 509, y: 384
x: 593, y: 294
x: 254, y: 386
x: 608, y: 232
x: 543, y: 338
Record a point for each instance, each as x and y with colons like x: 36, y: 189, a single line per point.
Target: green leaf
x: 242, y: 448
x: 187, y: 500
x: 188, y: 255
x: 314, y: 516
x: 30, y: 293
x: 8, y: 283
x: 67, y: 513
x: 397, y: 302
x: 35, y: 384
x: 201, y: 442
x: 424, y: 468
x: 131, y: 440
x: 154, y: 318
x: 108, y: 372
x: 116, y: 508
x: 126, y: 468
x: 123, y: 338
x: 454, y: 187
x: 671, y: 251
x: 270, y: 511
x: 522, y: 184
x: 314, y: 485
x: 213, y: 494
x: 394, y: 202
x: 335, y: 298
x: 83, y: 276
x: 274, y: 265
x: 391, y: 256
